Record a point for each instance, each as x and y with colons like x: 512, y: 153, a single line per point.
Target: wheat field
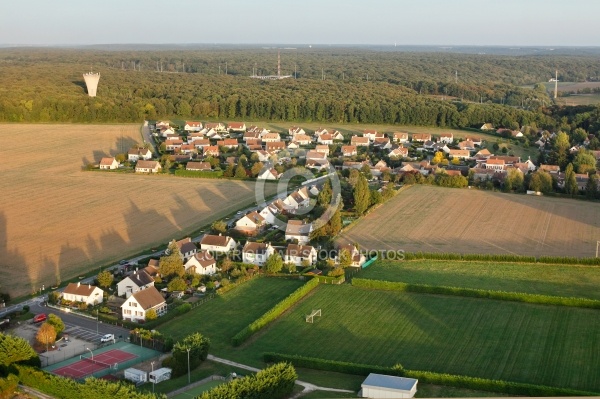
x: 58, y: 221
x: 435, y: 219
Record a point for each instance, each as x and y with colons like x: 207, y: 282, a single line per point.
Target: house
x: 201, y: 143
x: 137, y: 305
x: 85, y: 293
x: 325, y: 138
x: 358, y: 141
x: 428, y: 145
x: 275, y: 146
x: 192, y: 126
x: 153, y: 268
x: 236, y: 126
x: 400, y: 137
x: 298, y: 230
x: 336, y: 135
x: 357, y: 258
x: 487, y: 126
x: 228, y: 143
x: 270, y: 137
x: 270, y: 211
x: 213, y: 134
x: 508, y: 160
x: 268, y: 174
x: 318, y: 164
x: 136, y: 281
x: 421, y: 137
x: 297, y: 199
x: 495, y: 164
x: 302, y: 139
x: 349, y: 150
x: 161, y: 124
x: 528, y: 165
x: 191, y: 137
x: 294, y: 130
x: 257, y: 253
x: 370, y: 134
x: 177, y: 157
x: 399, y: 152
x: 460, y: 154
x: 320, y: 131
x: 293, y: 146
x: 165, y: 131
x: 260, y: 130
x: 218, y: 243
x: 251, y: 223
x: 378, y: 386
x: 466, y: 145
x: 187, y: 149
x: 483, y: 174
x: 173, y: 144
x: 476, y: 140
x: 552, y: 169
x: 201, y: 263
x: 187, y: 248
x: 211, y: 150
x: 148, y: 167
x: 383, y: 143
x: 483, y: 154
x: 217, y: 127
x: 316, y: 155
x: 297, y: 254
x: 447, y: 138
x: 263, y: 155
x: 254, y: 144
x: 198, y: 166
x: 251, y: 136
x: 135, y: 153
x: 322, y: 148
x: 109, y: 163
x: 355, y: 165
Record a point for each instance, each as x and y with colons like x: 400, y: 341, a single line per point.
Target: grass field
x: 222, y: 317
x: 554, y: 346
x: 192, y: 393
x: 57, y: 221
x: 435, y: 219
x: 575, y: 281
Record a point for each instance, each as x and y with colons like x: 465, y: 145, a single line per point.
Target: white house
x: 109, y: 163
x: 187, y: 248
x: 217, y: 126
x: 138, y: 304
x: 386, y: 386
x: 201, y: 263
x: 357, y: 258
x: 447, y: 138
x: 85, y: 293
x: 218, y: 243
x: 298, y: 230
x: 348, y: 150
x: 251, y: 223
x: 294, y: 130
x: 400, y: 137
x: 460, y: 154
x: 297, y: 199
x: 148, y: 167
x: 296, y: 254
x: 135, y: 282
x: 136, y: 153
x: 325, y: 138
x: 236, y: 126
x: 359, y: 141
x: 192, y: 126
x: 256, y: 253
x: 268, y: 174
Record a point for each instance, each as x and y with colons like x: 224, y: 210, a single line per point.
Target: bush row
x: 198, y: 173
x: 8, y: 386
x: 60, y: 387
x: 453, y: 380
x: 477, y: 293
x: 224, y: 289
x: 273, y: 382
x: 562, y: 260
x: 274, y: 312
x: 330, y: 280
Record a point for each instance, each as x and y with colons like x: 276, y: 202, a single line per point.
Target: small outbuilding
x: 135, y: 375
x: 387, y: 386
x: 160, y: 375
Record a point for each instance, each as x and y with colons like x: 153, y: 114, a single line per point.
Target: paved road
x: 147, y: 137
x: 82, y: 327
x: 308, y: 387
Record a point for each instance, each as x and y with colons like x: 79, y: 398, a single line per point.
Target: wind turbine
x: 555, y: 80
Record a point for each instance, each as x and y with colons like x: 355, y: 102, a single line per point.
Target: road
x: 82, y: 327
x: 147, y: 137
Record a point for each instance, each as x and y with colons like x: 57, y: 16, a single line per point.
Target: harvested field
x: 435, y: 219
x: 57, y: 221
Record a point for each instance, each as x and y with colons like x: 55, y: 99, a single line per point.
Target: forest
x: 335, y: 85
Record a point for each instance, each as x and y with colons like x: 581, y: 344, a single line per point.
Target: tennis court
x: 91, y: 364
x: 103, y: 361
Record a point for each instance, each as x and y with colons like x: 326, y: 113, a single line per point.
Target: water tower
x: 91, y: 81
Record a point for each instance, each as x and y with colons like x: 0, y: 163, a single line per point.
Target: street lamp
x: 188, y: 351
x: 152, y: 364
x: 92, y: 353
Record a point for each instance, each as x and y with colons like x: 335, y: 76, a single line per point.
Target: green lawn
x: 192, y: 393
x: 576, y: 281
x: 548, y: 345
x: 222, y: 317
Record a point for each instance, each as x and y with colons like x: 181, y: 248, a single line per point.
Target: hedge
x: 8, y: 386
x: 564, y: 260
x: 477, y: 293
x: 217, y: 174
x: 241, y: 280
x: 273, y: 382
x: 428, y: 377
x: 274, y: 312
x: 328, y: 279
x: 66, y: 388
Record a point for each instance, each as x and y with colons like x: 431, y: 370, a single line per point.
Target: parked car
x: 107, y: 338
x: 123, y: 262
x: 38, y: 318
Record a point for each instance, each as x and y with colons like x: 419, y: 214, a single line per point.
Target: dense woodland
x: 342, y: 85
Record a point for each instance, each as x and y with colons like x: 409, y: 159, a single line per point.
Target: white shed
x: 162, y: 374
x: 136, y: 375
x: 387, y: 387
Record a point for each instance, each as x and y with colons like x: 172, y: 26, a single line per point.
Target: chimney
x: 78, y: 283
x: 89, y: 286
x: 220, y: 234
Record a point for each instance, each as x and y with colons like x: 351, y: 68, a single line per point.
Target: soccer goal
x: 311, y: 316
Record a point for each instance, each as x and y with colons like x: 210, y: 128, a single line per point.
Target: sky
x: 415, y: 22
